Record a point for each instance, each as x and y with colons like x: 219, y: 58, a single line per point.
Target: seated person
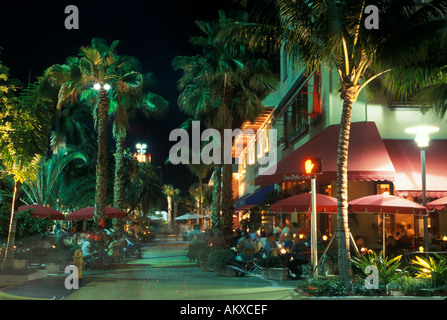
x: 114, y: 249
x: 271, y: 246
x: 246, y: 249
x: 129, y: 246
x: 288, y: 243
x: 403, y: 240
x: 300, y: 255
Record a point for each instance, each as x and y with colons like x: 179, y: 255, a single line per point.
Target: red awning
x: 368, y: 158
x: 406, y: 158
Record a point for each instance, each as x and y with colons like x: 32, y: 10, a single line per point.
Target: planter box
x: 13, y: 279
x: 227, y: 272
x: 278, y: 274
x: 52, y: 268
x: 18, y: 264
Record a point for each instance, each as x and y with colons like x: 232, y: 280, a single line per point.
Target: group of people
x: 281, y: 242
x: 115, y: 246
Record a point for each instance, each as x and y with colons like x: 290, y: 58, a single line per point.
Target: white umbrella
x: 189, y: 216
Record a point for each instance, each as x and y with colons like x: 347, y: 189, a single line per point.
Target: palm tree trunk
x: 9, y: 257
x: 200, y: 195
x: 119, y: 190
x: 216, y: 206
x: 343, y: 233
x: 227, y: 198
x: 101, y: 166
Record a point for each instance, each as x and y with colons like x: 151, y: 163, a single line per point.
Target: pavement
x: 163, y: 273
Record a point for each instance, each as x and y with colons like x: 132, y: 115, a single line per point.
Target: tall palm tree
x: 169, y: 192
x: 25, y: 124
x: 123, y: 108
x: 333, y: 34
x: 98, y: 73
x: 224, y: 84
x: 200, y: 170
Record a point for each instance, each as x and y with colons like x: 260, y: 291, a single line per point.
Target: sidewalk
x: 164, y: 273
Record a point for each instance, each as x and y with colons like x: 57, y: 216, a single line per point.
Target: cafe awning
x: 368, y: 157
x: 248, y: 201
x: 406, y: 158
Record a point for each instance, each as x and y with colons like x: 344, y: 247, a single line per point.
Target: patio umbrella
x: 439, y: 204
x: 385, y: 203
x: 40, y: 211
x: 189, y: 216
x: 87, y: 213
x: 303, y: 203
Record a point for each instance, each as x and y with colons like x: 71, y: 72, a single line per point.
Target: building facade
x: 305, y: 113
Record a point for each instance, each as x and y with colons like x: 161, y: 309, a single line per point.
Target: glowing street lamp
x: 97, y: 86
x: 423, y: 140
x: 141, y: 152
x: 141, y: 147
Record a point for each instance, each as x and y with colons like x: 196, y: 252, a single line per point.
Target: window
x: 384, y: 187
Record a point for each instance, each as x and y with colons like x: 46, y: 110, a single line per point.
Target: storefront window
x: 384, y: 188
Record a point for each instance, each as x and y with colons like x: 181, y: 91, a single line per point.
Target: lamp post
x: 141, y: 149
x: 423, y: 140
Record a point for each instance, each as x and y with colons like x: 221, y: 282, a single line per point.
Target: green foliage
x: 319, y: 287
x: 27, y: 226
x: 221, y: 258
x: 272, y: 262
x: 434, y: 269
x: 388, y: 269
x: 198, y: 251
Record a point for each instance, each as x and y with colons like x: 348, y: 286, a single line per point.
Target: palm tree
x: 98, y: 73
x: 169, y: 192
x: 200, y: 171
x: 25, y: 124
x: 225, y: 84
x: 332, y: 33
x: 52, y: 187
x: 124, y: 107
x: 435, y: 95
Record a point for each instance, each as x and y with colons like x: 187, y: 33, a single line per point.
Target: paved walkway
x: 164, y: 273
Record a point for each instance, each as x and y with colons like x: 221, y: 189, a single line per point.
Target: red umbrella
x: 87, y: 213
x: 385, y: 203
x: 40, y: 211
x: 439, y: 204
x: 303, y: 203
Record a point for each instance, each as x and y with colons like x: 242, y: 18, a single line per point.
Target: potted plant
x: 221, y: 261
x: 199, y: 251
x: 20, y: 259
x: 273, y: 268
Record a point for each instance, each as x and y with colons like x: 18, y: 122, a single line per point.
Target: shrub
x: 272, y: 262
x: 388, y: 269
x: 221, y: 258
x: 433, y: 269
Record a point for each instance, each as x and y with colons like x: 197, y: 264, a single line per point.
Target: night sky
x: 33, y: 37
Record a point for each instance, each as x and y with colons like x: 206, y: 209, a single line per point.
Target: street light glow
x: 141, y: 147
x: 422, y: 134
